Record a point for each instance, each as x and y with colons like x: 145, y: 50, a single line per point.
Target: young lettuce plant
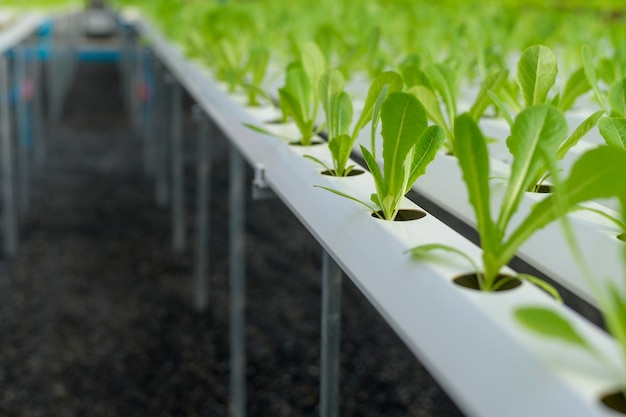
x: 409, y: 145
x: 430, y: 85
x: 611, y: 298
x: 592, y: 78
x: 613, y: 128
x: 440, y: 81
x: 299, y: 98
x: 257, y: 66
x: 535, y: 126
x: 536, y: 75
x: 338, y: 109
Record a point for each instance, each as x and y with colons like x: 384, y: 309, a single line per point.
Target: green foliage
x: 409, y: 145
x: 539, y: 128
x: 590, y: 73
x: 617, y: 98
x: 536, y: 74
x: 299, y: 97
x: 576, y: 86
x: 257, y: 64
x: 595, y: 175
x: 613, y: 130
x: 550, y: 324
x: 611, y: 297
x: 338, y: 109
x: 493, y: 83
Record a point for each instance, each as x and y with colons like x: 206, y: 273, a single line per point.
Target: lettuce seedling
x: 437, y: 81
x: 338, y: 108
x: 440, y: 80
x: 554, y: 141
x: 592, y: 77
x: 409, y: 145
x: 594, y: 175
x: 611, y: 300
x: 298, y: 98
x: 613, y: 130
x: 612, y: 101
x: 536, y: 75
x: 257, y: 66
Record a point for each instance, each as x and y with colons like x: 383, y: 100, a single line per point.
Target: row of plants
x: 398, y: 108
x: 472, y: 41
x: 41, y: 4
x: 538, y: 133
x: 227, y: 39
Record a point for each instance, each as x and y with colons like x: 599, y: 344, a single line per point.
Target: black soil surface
x: 96, y: 316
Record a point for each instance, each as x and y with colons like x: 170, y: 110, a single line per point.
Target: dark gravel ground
x: 95, y: 311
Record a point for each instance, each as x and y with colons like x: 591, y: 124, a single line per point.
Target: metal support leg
x: 39, y: 133
x: 178, y: 190
x: 148, y: 131
x: 51, y: 80
x: 67, y: 61
x: 23, y: 145
x: 135, y: 83
x: 331, y: 336
x: 203, y: 201
x: 9, y: 215
x: 127, y: 65
x: 162, y: 191
x: 237, y: 285
x: 54, y: 81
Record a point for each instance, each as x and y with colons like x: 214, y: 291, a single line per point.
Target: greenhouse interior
x: 295, y: 208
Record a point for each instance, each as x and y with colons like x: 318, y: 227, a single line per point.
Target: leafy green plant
x: 610, y: 296
x: 592, y: 77
x: 231, y: 62
x: 299, y: 97
x: 536, y: 74
x: 613, y: 100
x: 613, y: 130
x: 432, y: 84
x: 337, y: 106
x: 591, y: 177
x: 361, y: 54
x: 437, y: 84
x: 559, y: 149
x: 409, y: 145
x: 223, y: 41
x: 257, y: 65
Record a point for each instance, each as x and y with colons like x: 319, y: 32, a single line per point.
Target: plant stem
x: 492, y: 268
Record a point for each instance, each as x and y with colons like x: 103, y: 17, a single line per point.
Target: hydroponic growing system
x: 341, y: 108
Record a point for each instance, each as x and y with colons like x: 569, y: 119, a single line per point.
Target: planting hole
x: 471, y: 281
x: 615, y: 400
x: 544, y: 189
x: 403, y: 215
x: 622, y: 237
x: 313, y: 143
x: 352, y: 173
